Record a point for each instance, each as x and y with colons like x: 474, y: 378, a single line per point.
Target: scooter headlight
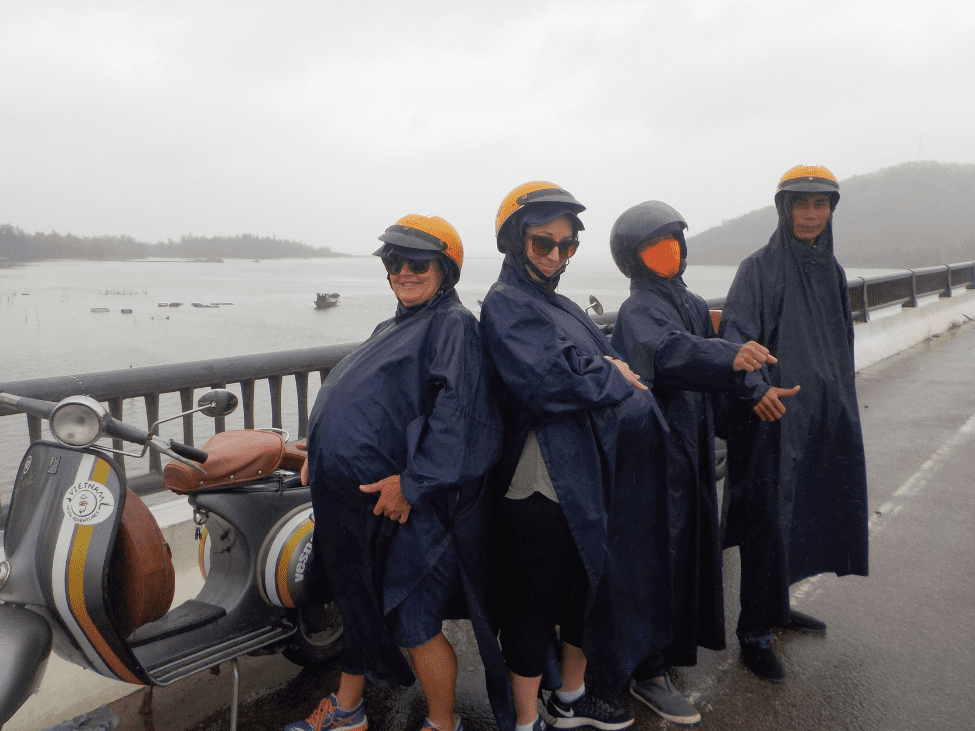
x: 79, y: 421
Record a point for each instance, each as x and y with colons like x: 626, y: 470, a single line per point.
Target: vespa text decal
x: 303, y: 562
x: 88, y: 503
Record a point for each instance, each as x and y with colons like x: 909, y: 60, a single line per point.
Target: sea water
x: 48, y: 328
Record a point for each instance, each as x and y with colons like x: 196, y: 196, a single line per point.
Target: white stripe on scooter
x: 274, y: 555
x: 59, y: 577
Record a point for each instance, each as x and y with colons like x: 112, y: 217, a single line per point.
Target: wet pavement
x: 900, y: 647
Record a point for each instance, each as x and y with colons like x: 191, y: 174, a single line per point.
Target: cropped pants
x: 548, y: 585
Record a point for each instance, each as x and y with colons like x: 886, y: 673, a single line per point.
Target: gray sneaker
x: 660, y: 695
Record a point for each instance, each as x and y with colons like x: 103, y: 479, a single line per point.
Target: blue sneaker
x: 588, y: 710
x: 328, y: 715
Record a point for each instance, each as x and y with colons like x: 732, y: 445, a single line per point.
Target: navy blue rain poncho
x: 413, y: 400
x: 797, y: 487
x: 604, y: 443
x: 664, y: 332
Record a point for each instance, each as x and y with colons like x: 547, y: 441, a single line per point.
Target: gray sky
x: 325, y: 122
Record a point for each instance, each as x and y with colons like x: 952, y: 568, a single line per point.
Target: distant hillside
x: 913, y: 215
x: 17, y: 245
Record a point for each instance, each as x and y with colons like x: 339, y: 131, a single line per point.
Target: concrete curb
x: 896, y: 328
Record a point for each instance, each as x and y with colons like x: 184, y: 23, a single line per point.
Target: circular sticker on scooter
x: 88, y: 503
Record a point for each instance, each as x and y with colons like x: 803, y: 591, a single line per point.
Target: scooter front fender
x: 25, y: 644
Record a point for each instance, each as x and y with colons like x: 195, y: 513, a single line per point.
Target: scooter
x: 89, y: 575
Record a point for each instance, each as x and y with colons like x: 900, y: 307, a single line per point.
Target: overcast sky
x: 325, y: 122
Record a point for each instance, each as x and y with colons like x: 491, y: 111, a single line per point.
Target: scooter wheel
x: 319, y: 635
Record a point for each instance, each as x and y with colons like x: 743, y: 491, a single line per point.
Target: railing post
x: 866, y: 300
x: 864, y: 314
x: 274, y: 384
x: 219, y: 423
x: 947, y: 289
x: 34, y: 428
x: 971, y: 281
x: 185, y: 404
x: 152, y: 416
x: 301, y: 387
x: 247, y: 394
x: 913, y: 301
x: 115, y: 408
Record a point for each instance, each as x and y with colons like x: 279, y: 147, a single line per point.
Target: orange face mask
x: 662, y: 258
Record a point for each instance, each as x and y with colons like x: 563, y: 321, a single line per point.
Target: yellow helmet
x: 537, y: 191
x: 431, y: 235
x: 806, y: 179
x: 425, y: 233
x: 809, y: 179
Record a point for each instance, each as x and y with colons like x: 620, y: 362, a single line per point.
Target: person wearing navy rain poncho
x: 582, y: 477
x: 665, y: 332
x: 408, y: 418
x: 797, y: 487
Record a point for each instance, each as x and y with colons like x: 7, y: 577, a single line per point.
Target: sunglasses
x: 394, y: 264
x: 543, y: 245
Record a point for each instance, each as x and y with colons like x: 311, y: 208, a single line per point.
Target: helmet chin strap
x: 544, y: 278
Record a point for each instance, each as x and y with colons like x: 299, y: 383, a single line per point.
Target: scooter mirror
x: 218, y: 402
x: 595, y: 305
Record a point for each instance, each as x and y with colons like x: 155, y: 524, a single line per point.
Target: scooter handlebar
x: 121, y: 430
x: 113, y: 428
x: 183, y: 450
x: 32, y: 406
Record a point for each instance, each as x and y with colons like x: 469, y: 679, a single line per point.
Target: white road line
x: 901, y: 497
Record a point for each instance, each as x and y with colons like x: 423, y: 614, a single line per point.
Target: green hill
x: 909, y: 216
x: 17, y: 245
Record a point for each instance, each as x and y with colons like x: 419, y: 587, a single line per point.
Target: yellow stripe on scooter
x: 76, y: 588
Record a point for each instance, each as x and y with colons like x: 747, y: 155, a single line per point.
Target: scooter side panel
x: 239, y: 522
x: 73, y: 556
x: 286, y: 560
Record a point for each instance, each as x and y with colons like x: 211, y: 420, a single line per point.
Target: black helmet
x: 641, y: 223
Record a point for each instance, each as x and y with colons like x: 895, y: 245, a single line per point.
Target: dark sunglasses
x: 543, y: 245
x: 394, y: 264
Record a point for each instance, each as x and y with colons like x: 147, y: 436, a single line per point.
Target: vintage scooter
x: 88, y: 574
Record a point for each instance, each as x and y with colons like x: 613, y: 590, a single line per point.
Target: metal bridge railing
x: 904, y: 289
x: 150, y: 383
x: 185, y: 379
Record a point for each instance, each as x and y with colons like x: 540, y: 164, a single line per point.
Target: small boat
x: 324, y: 300
x: 99, y: 309
x: 163, y: 304
x: 200, y: 304
x: 126, y: 312
x: 175, y: 304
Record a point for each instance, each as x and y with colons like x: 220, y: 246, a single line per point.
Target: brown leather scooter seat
x: 141, y: 577
x: 234, y: 457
